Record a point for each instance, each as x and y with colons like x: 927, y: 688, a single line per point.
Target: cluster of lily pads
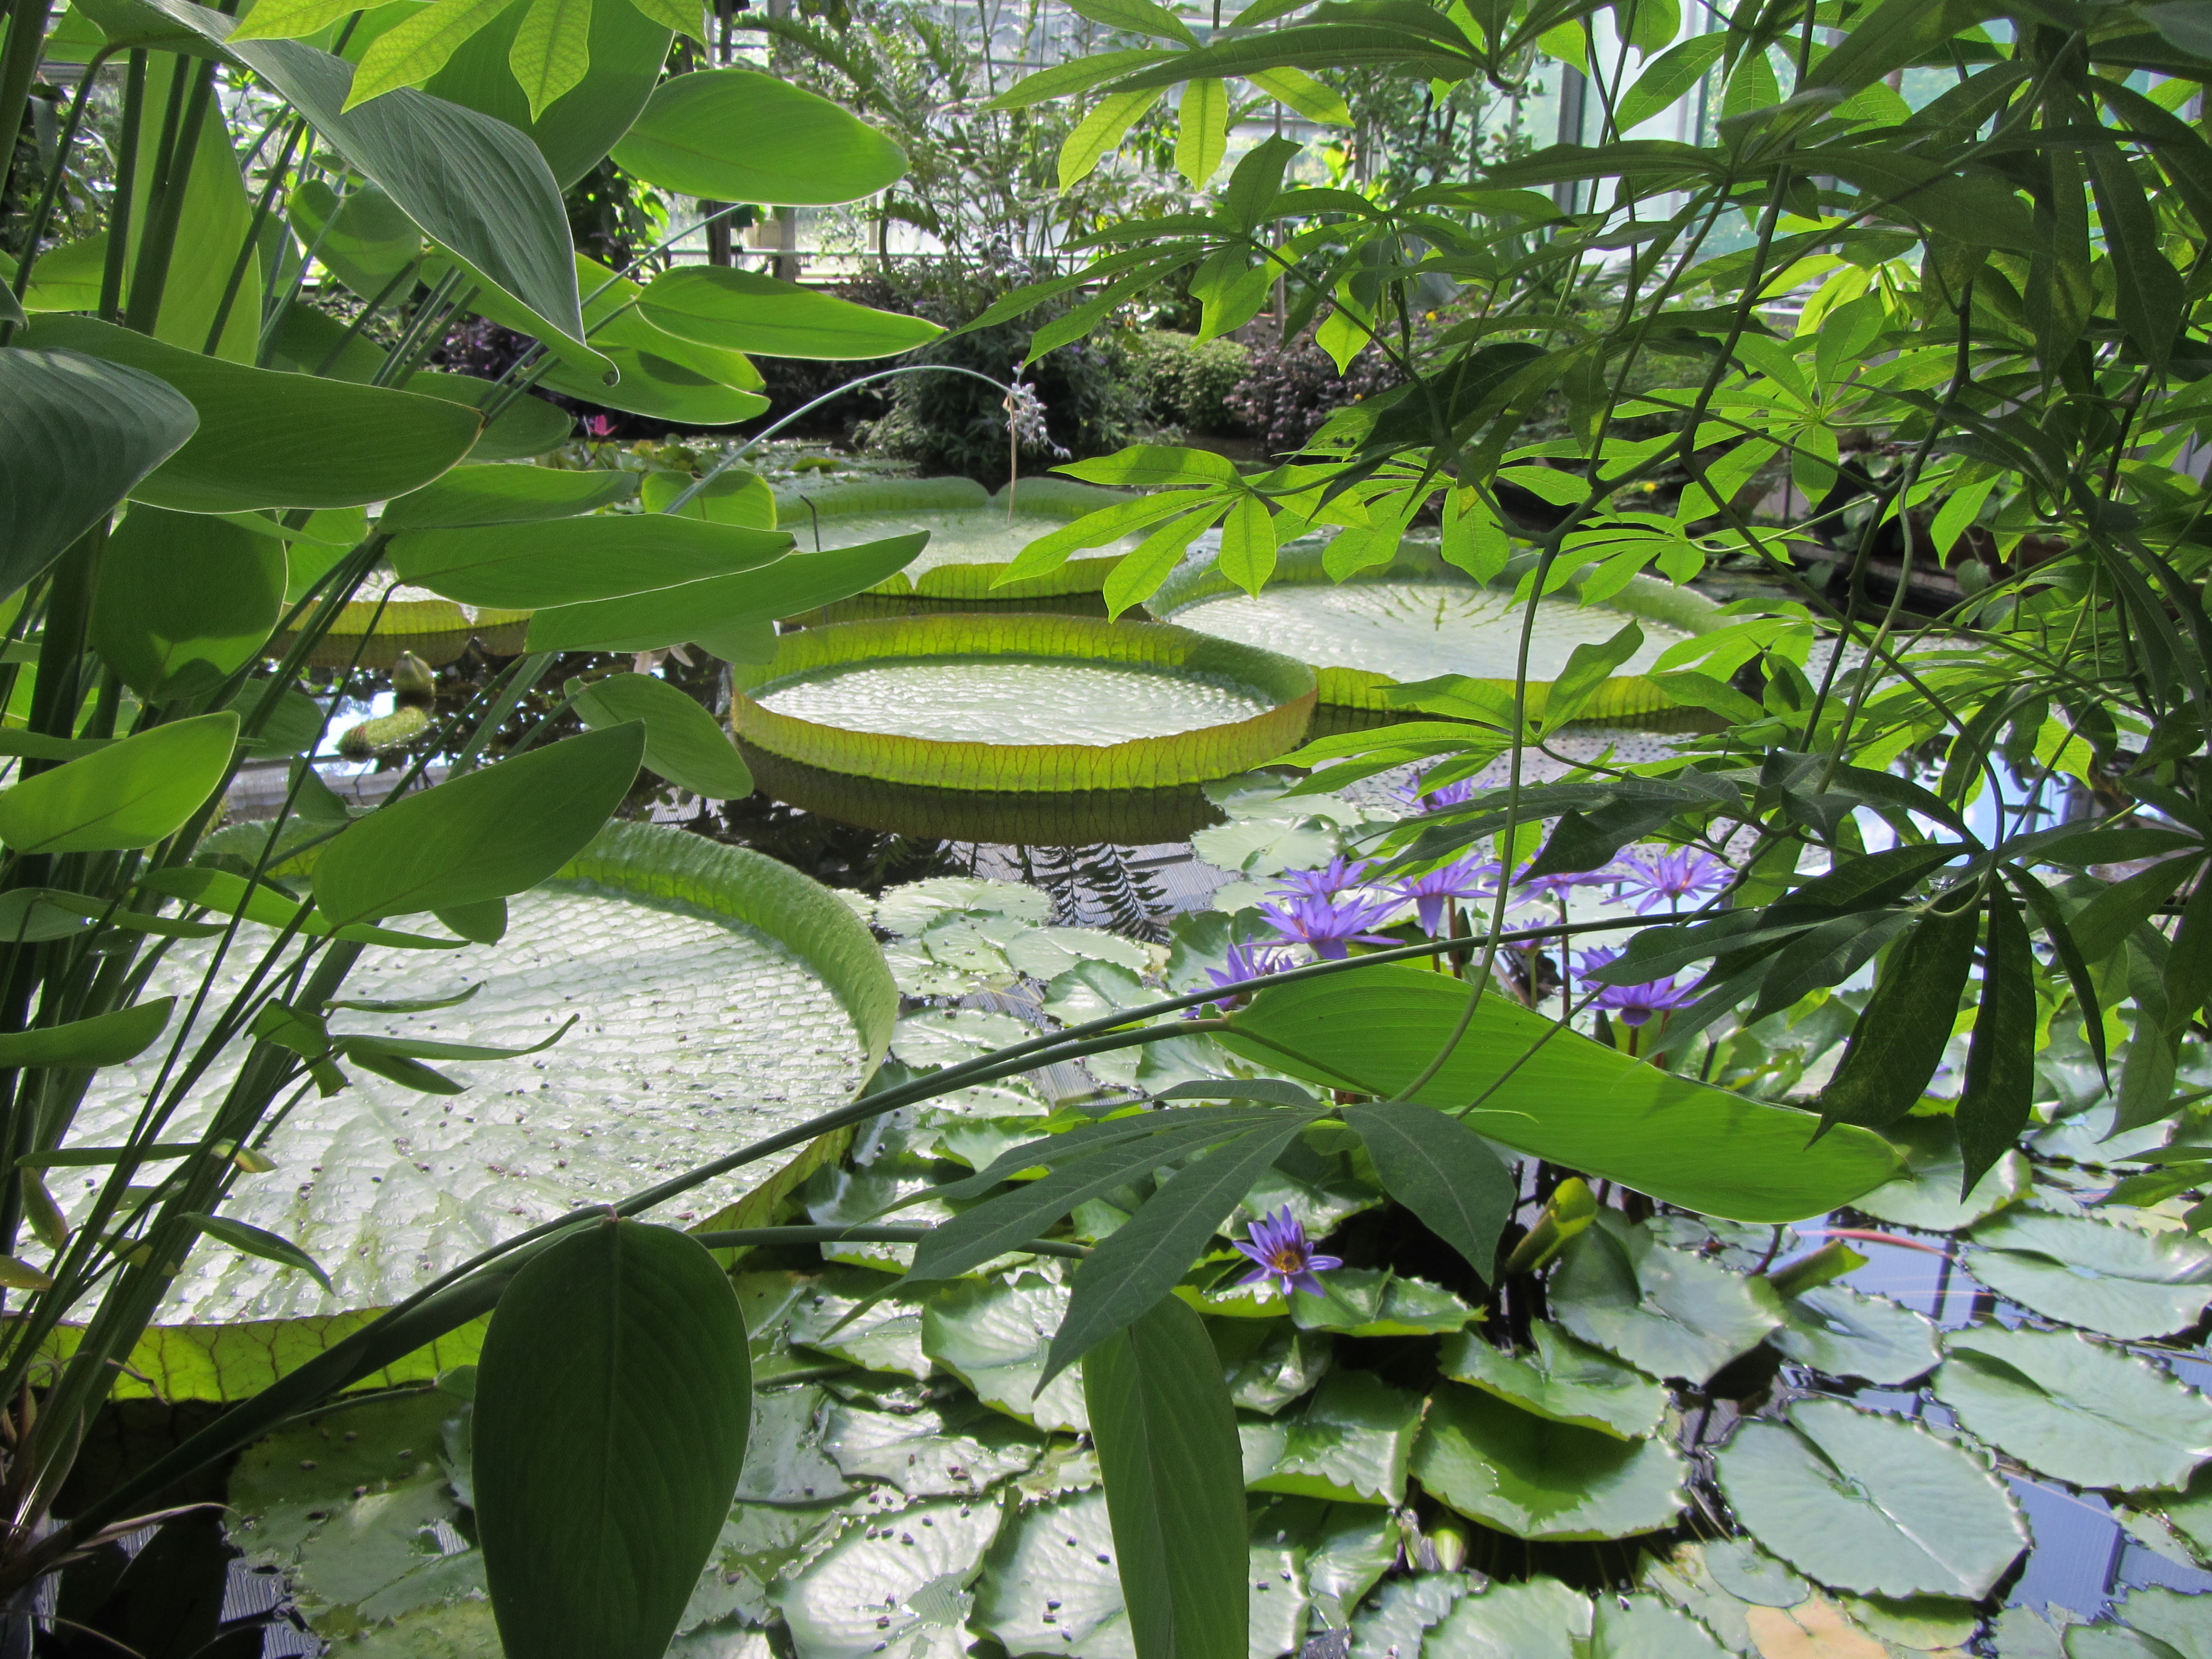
x: 1664, y: 1437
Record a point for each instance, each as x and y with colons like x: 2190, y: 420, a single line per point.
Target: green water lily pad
x: 1347, y: 1547
x: 930, y: 1453
x: 1051, y: 1587
x: 1268, y: 1364
x: 1871, y: 1503
x: 1535, y: 1479
x: 1371, y: 1301
x: 1684, y: 1576
x: 1541, y: 1619
x: 894, y: 1585
x: 1646, y: 1627
x: 994, y: 1336
x: 787, y: 1460
x: 2189, y: 1512
x: 1405, y: 1611
x: 952, y: 1036
x: 1351, y: 1443
x: 1665, y: 1312
x: 1846, y: 1333
x: 1565, y: 1379
x: 2074, y: 1408
x: 1922, y: 1623
x: 2101, y: 1276
x: 885, y: 1336
x: 1927, y: 1195
x: 2179, y: 1626
x: 760, y: 1543
x: 1750, y: 1574
x: 910, y: 908
x: 721, y: 996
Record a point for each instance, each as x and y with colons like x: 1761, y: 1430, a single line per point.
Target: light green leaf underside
x: 1536, y: 1479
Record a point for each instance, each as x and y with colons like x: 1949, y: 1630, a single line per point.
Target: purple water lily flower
x: 1337, y: 876
x: 1444, y: 794
x: 1328, y: 927
x: 1248, y: 962
x: 1635, y: 1004
x: 1466, y: 878
x: 1278, y: 1244
x: 1670, y: 876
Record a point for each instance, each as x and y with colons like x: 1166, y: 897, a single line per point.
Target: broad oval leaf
x: 129, y: 795
x: 494, y: 832
x: 613, y: 1400
x: 1573, y: 1100
x: 1564, y: 1379
x: 1871, y: 1503
x: 578, y: 560
x: 183, y: 600
x: 1166, y: 1435
x: 2117, y: 1280
x: 103, y: 1040
x: 1440, y: 1170
x: 271, y: 439
x: 745, y: 311
x: 738, y: 135
x: 76, y: 435
x: 682, y: 741
x: 470, y: 495
x: 1665, y: 1311
x: 1539, y: 1478
x: 1846, y: 1333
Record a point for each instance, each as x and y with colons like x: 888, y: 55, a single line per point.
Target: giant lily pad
x: 1418, y: 617
x: 1846, y: 1333
x: 1051, y: 1587
x: 1565, y: 1380
x: 894, y: 1585
x: 973, y: 536
x: 1543, y: 1619
x: 1022, y: 703
x: 1351, y: 1443
x: 1664, y: 1311
x: 2103, y: 1277
x: 1871, y: 1503
x: 994, y: 1336
x: 721, y: 998
x: 2074, y: 1408
x: 1536, y: 1479
x: 389, y: 617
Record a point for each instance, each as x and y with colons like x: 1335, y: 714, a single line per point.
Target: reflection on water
x: 999, y: 700
x: 1412, y: 630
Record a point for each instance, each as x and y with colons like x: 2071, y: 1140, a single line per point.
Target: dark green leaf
x: 682, y: 741
x: 102, y: 1040
x: 408, y: 1073
x: 570, y: 561
x: 2000, y: 1088
x: 613, y: 1399
x: 1899, y: 1040
x: 745, y: 311
x: 489, y: 833
x: 76, y: 435
x: 1444, y: 1172
x: 2104, y: 923
x: 2149, y: 294
x: 483, y: 923
x: 184, y: 600
x: 1166, y: 1435
x: 738, y: 135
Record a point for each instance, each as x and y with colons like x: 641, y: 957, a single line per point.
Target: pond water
x: 1012, y: 700
x: 1411, y: 630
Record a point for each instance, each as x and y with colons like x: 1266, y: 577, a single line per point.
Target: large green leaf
x: 612, y: 1401
x: 1871, y: 1503
x: 1564, y: 1379
x: 131, y: 793
x: 1538, y: 1478
x: 578, y: 560
x: 682, y: 741
x: 1846, y: 1333
x: 2077, y: 1409
x: 1166, y: 1437
x: 1666, y: 1311
x: 1443, y: 1172
x: 1571, y: 1100
x: 1926, y: 1192
x: 994, y: 1337
x: 2117, y: 1279
x: 902, y: 1587
x: 77, y: 433
x: 363, y: 237
x: 575, y: 131
x: 270, y: 440
x: 472, y: 495
x: 738, y: 135
x: 184, y: 599
x: 477, y: 187
x: 745, y: 311
x: 494, y: 832
x: 102, y: 1040
x: 1351, y: 1442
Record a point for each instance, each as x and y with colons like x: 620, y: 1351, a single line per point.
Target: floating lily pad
x: 929, y: 1452
x: 1871, y: 1503
x: 1022, y: 703
x: 2103, y: 1277
x: 1536, y: 1479
x: 994, y: 1336
x: 722, y: 997
x: 1818, y: 1629
x: 1667, y: 1313
x: 1351, y: 1443
x: 2177, y: 1625
x: 885, y: 1336
x: 1566, y: 1379
x: 1685, y: 1578
x: 1922, y: 1623
x: 914, y: 906
x: 896, y: 1585
x: 1646, y: 1627
x: 1541, y: 1619
x: 1370, y: 1302
x: 1347, y: 1548
x: 1418, y: 617
x: 952, y: 1036
x: 2189, y: 1511
x: 1407, y: 1610
x: 1750, y: 1574
x: 2076, y: 1409
x: 1846, y: 1333
x: 1269, y: 1364
x: 1051, y: 1587
x: 1927, y: 1194
x: 786, y: 1459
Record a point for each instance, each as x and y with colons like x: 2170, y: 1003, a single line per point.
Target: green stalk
x: 180, y: 145
x: 126, y: 184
